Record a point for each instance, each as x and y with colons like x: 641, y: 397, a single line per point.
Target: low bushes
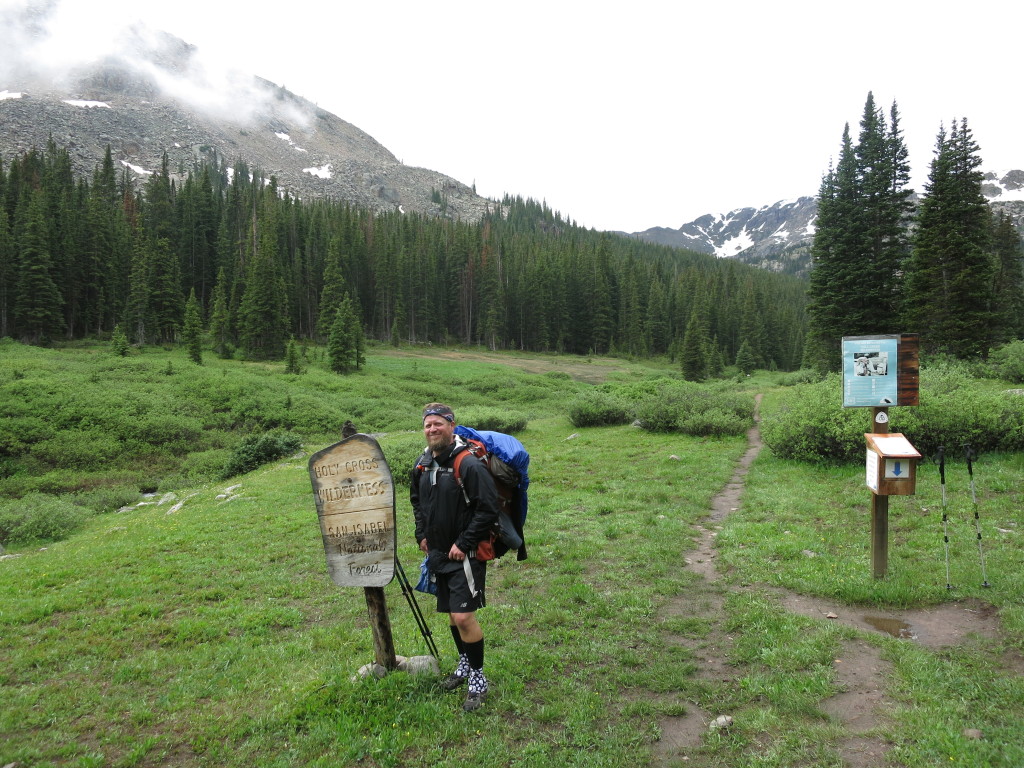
x: 257, y: 450
x: 664, y: 404
x: 599, y: 409
x: 954, y: 409
x: 39, y: 517
x: 492, y: 420
x: 1007, y: 362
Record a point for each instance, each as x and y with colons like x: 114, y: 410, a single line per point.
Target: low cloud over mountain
x: 146, y: 93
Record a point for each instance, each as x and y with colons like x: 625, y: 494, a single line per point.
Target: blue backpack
x: 509, y: 463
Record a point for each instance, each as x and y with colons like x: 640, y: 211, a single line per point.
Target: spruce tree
x: 219, y: 321
x: 1008, y: 286
x: 949, y: 277
x: 165, y: 300
x: 333, y: 290
x: 263, y: 325
x: 693, y: 359
x: 341, y: 346
x: 37, y: 308
x: 291, y: 358
x: 7, y: 270
x: 861, y: 243
x: 138, y: 311
x: 119, y: 342
x: 192, y: 331
x: 746, y: 361
x: 358, y: 335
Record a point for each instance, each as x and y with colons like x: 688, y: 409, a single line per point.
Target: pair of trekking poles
x: 410, y: 598
x: 970, y: 455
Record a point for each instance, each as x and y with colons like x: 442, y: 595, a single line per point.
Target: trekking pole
x: 410, y: 598
x: 970, y: 455
x: 941, y: 456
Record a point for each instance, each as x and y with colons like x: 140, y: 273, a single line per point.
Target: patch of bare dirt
x: 860, y: 705
x: 938, y: 627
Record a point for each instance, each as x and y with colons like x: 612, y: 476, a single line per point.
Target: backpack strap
x: 457, y: 468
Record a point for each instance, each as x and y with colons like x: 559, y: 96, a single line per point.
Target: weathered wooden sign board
x: 355, y: 501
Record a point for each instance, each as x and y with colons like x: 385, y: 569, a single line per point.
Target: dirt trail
x: 861, y: 673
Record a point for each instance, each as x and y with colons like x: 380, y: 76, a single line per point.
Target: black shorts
x: 453, y: 593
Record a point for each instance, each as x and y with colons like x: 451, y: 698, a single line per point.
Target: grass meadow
x: 201, y: 629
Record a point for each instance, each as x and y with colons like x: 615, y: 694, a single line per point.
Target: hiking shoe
x: 474, y: 700
x: 453, y: 681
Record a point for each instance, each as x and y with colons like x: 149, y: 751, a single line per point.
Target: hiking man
x: 450, y: 521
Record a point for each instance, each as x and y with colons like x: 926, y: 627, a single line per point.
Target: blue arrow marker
x: 896, y: 469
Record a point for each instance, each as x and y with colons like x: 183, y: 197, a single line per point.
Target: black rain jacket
x: 443, y: 516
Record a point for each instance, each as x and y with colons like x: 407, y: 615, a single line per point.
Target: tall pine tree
x: 861, y: 244
x: 192, y: 331
x: 949, y: 278
x: 37, y: 309
x: 1008, y: 286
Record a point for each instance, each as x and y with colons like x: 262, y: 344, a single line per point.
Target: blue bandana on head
x: 444, y: 412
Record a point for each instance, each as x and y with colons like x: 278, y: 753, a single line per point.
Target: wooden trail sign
x: 355, y: 501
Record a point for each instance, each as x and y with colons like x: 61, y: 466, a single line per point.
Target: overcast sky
x: 621, y: 116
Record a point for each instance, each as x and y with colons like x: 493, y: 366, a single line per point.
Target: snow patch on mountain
x: 86, y: 103
x: 735, y: 244
x: 1003, y: 186
x: 323, y: 172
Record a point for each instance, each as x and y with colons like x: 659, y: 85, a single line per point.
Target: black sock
x: 459, y: 645
x: 475, y: 652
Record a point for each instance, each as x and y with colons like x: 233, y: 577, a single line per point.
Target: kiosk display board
x: 880, y: 371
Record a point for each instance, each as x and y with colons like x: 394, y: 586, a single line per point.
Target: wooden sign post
x: 878, y: 372
x: 355, y: 501
x: 880, y: 508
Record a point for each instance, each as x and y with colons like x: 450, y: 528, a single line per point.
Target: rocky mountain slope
x: 779, y: 236
x: 154, y: 97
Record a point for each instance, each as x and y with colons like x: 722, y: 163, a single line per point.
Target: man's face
x: 439, y: 432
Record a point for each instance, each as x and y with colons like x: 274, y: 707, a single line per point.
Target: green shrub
x: 492, y: 419
x: 954, y: 409
x: 257, y: 450
x: 713, y: 422
x: 987, y: 420
x: 813, y: 426
x: 39, y: 517
x: 598, y: 409
x: 107, y: 499
x: 401, y: 452
x: 558, y: 376
x: 803, y: 376
x: 1007, y: 362
x: 73, y: 449
x: 701, y: 410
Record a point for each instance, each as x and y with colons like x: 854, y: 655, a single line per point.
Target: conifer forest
x: 945, y: 268
x: 108, y: 256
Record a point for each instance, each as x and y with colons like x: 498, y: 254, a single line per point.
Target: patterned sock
x: 477, y: 681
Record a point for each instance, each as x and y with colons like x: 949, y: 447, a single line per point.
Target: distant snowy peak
x: 779, y: 236
x: 752, y: 234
